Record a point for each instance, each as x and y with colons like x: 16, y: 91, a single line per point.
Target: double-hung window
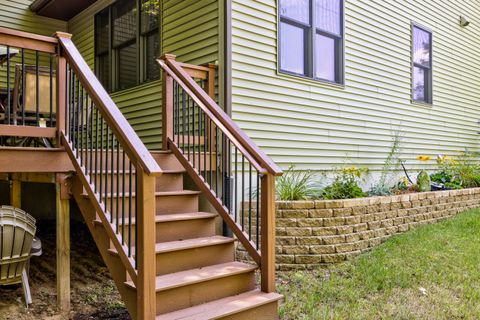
x: 127, y: 43
x: 311, y: 39
x: 422, y: 65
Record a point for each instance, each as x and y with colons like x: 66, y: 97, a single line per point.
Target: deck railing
x: 49, y: 97
x: 234, y: 174
x: 28, y: 103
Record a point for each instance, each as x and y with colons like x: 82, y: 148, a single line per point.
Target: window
x: 311, y: 39
x: 127, y: 44
x: 422, y: 65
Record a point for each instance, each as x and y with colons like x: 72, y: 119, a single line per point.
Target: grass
x: 432, y: 272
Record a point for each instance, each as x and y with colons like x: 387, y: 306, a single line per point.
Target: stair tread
x: 188, y: 277
x: 170, y: 246
x: 173, y: 217
x: 157, y: 193
x: 223, y: 307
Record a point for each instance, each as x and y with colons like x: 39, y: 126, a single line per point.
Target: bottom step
x: 250, y: 305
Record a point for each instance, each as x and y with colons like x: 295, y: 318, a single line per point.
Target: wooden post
x: 212, y: 70
x: 167, y: 104
x: 268, y: 233
x: 145, y: 247
x: 63, y: 244
x: 16, y: 193
x: 61, y: 95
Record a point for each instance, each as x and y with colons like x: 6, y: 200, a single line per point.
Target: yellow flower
x: 424, y: 158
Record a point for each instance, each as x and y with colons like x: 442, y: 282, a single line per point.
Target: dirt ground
x: 94, y: 295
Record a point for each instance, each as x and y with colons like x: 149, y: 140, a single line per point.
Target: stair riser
x: 167, y: 161
x: 177, y: 204
x: 265, y: 312
x: 169, y: 182
x: 164, y: 205
x: 165, y: 182
x: 197, y: 293
x: 176, y: 261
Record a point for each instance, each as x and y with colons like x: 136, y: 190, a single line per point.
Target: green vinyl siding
x: 15, y: 14
x: 315, y: 125
x: 189, y: 30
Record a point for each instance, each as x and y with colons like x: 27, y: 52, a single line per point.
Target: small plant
x: 296, y: 185
x: 345, y: 184
x: 391, y: 164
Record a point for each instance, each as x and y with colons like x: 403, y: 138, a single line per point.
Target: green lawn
x: 432, y: 272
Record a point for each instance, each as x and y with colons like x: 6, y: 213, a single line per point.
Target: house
x: 309, y: 81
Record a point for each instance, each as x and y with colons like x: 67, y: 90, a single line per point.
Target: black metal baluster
x: 250, y: 201
x: 105, y: 174
x: 23, y: 86
x: 193, y: 131
x: 96, y: 149
x: 9, y: 105
x: 118, y: 184
x: 86, y: 133
x: 243, y: 193
x: 217, y: 173
x: 183, y: 121
x: 235, y: 202
x: 205, y: 143
x: 211, y: 152
x: 188, y: 126
x: 90, y: 117
x: 123, y: 197
x: 130, y: 210
x: 82, y: 111
x: 37, y: 89
x: 100, y: 172
x: 51, y: 91
x: 258, y: 210
x: 112, y: 170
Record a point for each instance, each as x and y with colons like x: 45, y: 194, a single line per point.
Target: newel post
x: 267, y: 248
x: 61, y: 74
x: 167, y: 104
x: 145, y: 246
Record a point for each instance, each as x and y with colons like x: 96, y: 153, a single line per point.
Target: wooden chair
x: 25, y: 100
x: 17, y: 230
x: 26, y: 92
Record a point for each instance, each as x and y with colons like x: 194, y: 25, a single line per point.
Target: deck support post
x: 63, y: 243
x: 16, y: 193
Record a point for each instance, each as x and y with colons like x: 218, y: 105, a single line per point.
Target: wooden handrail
x: 25, y: 40
x: 231, y: 127
x: 134, y: 147
x: 215, y: 120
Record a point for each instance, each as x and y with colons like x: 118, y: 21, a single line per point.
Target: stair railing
x: 235, y: 175
x: 116, y: 169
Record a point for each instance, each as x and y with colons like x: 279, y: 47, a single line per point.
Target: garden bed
x: 321, y: 232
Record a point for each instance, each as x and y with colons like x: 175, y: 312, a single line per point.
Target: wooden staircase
x: 197, y: 276
x: 167, y: 257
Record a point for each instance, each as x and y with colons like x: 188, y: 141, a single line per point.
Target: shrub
x: 462, y: 171
x: 345, y: 184
x: 296, y: 185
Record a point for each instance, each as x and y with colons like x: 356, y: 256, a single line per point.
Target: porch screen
x: 127, y: 43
